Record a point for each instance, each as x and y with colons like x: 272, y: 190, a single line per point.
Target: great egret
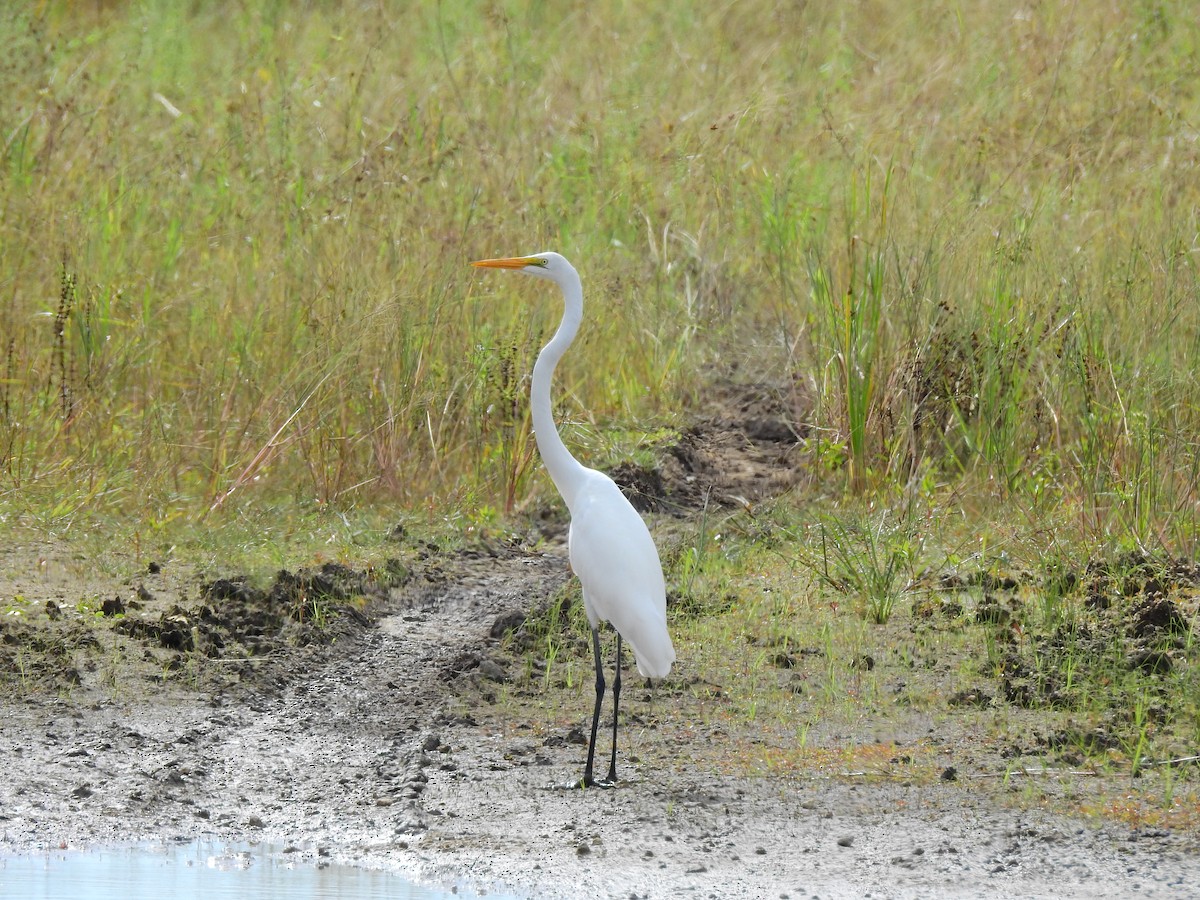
x: 609, y: 545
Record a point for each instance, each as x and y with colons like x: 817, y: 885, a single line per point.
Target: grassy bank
x: 958, y: 243
x: 234, y: 245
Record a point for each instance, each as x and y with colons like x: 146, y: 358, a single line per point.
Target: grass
x: 980, y: 261
x: 237, y: 324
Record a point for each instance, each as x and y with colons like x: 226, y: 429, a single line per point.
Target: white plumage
x: 610, y: 546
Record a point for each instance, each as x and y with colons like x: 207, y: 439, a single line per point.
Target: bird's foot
x: 588, y: 781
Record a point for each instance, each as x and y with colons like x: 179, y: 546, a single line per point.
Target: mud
x: 388, y: 743
x: 744, y: 448
x: 384, y: 718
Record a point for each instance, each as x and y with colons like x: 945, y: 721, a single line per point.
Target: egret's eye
x: 539, y: 262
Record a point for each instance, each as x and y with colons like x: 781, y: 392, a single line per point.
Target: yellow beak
x: 512, y: 262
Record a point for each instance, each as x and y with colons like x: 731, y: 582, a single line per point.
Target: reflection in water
x: 198, y: 870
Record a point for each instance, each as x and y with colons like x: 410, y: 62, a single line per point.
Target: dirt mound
x: 743, y: 446
x: 299, y: 609
x: 145, y: 634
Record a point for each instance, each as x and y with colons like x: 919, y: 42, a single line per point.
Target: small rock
x: 508, y: 621
x: 492, y: 670
x: 154, y: 568
x: 254, y: 822
x: 82, y: 792
x: 576, y: 736
x: 845, y: 841
x: 463, y: 662
x: 949, y: 774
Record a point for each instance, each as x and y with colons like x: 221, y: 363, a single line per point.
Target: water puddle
x: 202, y: 869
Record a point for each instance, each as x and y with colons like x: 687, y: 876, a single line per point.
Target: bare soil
x: 380, y: 717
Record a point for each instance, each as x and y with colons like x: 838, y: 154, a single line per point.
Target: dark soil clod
x: 1152, y: 662
x: 507, y: 622
x: 1157, y: 614
x: 971, y: 698
x: 643, y: 486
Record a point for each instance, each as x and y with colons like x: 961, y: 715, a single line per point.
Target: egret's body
x: 617, y: 564
x: 611, y: 550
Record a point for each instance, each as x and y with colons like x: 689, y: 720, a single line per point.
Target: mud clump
x: 971, y: 698
x: 172, y: 630
x: 44, y: 658
x: 1156, y: 615
x: 642, y: 486
x: 311, y: 596
x: 507, y: 622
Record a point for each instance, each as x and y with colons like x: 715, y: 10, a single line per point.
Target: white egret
x: 609, y: 545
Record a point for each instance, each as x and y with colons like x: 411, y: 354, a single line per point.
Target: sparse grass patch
x: 555, y: 639
x: 1002, y: 650
x: 871, y: 558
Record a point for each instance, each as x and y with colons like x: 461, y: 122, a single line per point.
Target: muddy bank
x: 392, y: 741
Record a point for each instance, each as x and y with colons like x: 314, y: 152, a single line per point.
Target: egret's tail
x: 654, y: 653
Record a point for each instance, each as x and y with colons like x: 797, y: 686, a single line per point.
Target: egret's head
x: 544, y: 265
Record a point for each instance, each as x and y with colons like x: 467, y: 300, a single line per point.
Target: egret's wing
x: 616, y: 561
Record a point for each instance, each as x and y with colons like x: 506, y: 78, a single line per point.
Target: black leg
x: 588, y: 780
x: 612, y: 765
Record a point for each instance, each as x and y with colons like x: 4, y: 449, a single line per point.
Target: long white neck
x: 565, y: 471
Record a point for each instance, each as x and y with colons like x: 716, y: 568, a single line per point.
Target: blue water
x: 209, y: 870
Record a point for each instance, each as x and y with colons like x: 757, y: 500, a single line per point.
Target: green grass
x: 235, y: 244
x: 237, y: 321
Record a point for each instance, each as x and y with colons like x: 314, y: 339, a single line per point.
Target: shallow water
x: 199, y: 870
